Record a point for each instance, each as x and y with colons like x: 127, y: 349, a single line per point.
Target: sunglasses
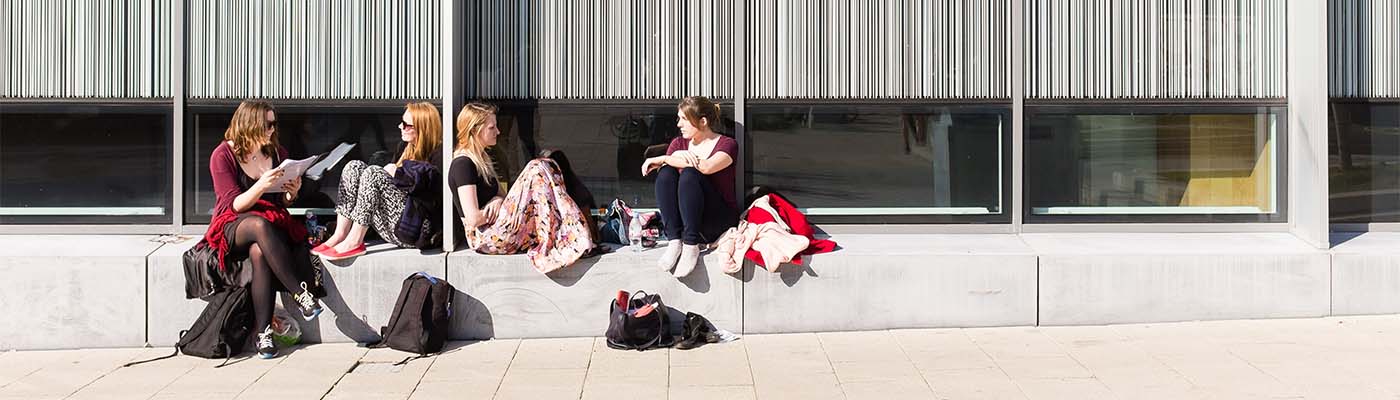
x: 272, y: 125
x: 405, y: 125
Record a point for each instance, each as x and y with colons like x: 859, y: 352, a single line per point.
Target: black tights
x: 269, y: 251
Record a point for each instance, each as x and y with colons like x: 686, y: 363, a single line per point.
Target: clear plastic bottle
x: 634, y: 227
x: 313, y: 229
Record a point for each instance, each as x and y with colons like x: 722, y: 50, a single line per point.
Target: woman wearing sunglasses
x: 400, y: 200
x: 251, y: 221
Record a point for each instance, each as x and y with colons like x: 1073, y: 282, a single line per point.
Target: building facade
x: 988, y: 116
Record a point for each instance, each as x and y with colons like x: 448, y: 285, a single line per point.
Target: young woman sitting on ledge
x: 694, y: 184
x: 400, y: 200
x: 536, y: 216
x: 250, y: 216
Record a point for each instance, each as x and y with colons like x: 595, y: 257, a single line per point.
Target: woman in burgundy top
x: 251, y: 219
x: 695, y: 184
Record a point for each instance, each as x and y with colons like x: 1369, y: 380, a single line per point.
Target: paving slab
x: 1345, y: 358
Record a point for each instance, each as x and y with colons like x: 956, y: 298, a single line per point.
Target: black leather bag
x: 203, y: 276
x: 628, y: 331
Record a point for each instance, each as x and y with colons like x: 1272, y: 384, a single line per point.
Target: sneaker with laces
x: 310, y: 308
x: 266, y: 349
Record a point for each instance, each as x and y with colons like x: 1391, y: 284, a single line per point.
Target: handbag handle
x: 641, y: 293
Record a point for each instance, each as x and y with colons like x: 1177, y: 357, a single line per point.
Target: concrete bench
x: 113, y: 290
x: 361, y: 294
x: 504, y: 297
x: 1103, y: 278
x: 73, y: 291
x: 884, y: 281
x: 1366, y: 273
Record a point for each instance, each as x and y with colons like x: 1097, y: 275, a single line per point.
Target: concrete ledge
x: 504, y: 297
x: 73, y: 291
x: 1366, y: 273
x: 885, y: 281
x: 1130, y: 278
x: 361, y: 294
x: 168, y: 309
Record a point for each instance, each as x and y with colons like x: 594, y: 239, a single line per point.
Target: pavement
x: 1321, y: 358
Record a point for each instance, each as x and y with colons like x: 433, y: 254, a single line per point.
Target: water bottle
x: 312, y: 229
x: 634, y: 225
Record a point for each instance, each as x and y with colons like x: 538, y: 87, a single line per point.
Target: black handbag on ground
x: 638, y: 322
x: 422, y: 315
x: 221, y: 330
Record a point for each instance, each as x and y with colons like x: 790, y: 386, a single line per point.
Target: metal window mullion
x: 177, y: 58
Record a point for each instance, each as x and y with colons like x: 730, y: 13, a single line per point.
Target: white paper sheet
x: 329, y: 161
x: 290, y: 170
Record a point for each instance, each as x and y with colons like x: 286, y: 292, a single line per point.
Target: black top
x: 463, y: 173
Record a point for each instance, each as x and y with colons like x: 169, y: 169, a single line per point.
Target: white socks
x: 673, y: 252
x: 690, y: 254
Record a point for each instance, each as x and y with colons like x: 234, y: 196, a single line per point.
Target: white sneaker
x: 310, y: 308
x: 669, y: 257
x: 690, y: 255
x: 266, y: 349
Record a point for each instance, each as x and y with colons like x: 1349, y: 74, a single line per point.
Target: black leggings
x: 270, y: 253
x: 691, y: 208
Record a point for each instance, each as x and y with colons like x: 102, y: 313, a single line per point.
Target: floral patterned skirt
x: 538, y: 217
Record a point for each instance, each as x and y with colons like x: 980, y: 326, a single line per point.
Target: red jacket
x: 794, y: 219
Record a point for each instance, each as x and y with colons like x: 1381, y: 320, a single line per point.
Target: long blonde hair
x: 469, y: 124
x: 246, y: 129
x: 428, y: 122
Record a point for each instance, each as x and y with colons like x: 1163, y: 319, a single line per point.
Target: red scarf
x: 275, y: 214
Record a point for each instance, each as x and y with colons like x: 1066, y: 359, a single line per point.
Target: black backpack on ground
x: 627, y: 331
x: 421, y: 317
x: 221, y: 330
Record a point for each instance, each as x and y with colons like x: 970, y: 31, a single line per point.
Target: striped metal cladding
x: 599, y: 49
x: 66, y: 49
x: 886, y: 49
x: 1155, y: 49
x: 1364, y: 48
x: 314, y: 49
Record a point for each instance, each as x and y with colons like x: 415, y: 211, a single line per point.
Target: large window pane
x: 605, y: 143
x: 304, y: 131
x: 1364, y: 160
x: 73, y: 164
x: 882, y: 160
x: 1182, y: 165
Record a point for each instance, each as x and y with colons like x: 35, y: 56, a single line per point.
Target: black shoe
x: 310, y: 308
x: 266, y: 349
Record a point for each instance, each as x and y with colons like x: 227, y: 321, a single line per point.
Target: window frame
x: 1276, y: 107
x: 1002, y: 107
x: 161, y: 107
x: 291, y: 106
